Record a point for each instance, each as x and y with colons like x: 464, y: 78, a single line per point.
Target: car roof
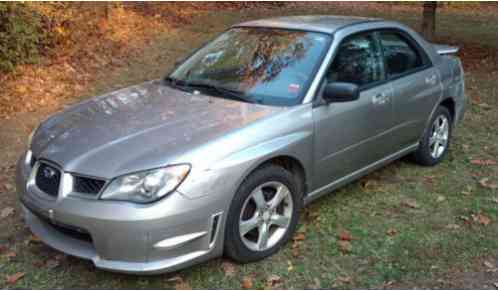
x: 320, y: 23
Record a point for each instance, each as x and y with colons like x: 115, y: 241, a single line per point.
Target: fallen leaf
x: 10, y: 254
x: 299, y: 237
x: 495, y: 200
x: 180, y: 284
x: 247, y: 282
x: 391, y: 231
x: 344, y: 279
x: 410, y: 203
x: 34, y: 238
x: 8, y: 187
x: 488, y: 265
x: 453, y: 226
x: 481, y: 219
x: 296, y: 252
x: 344, y: 246
x: 440, y: 198
x: 52, y: 264
x: 272, y: 281
x: 345, y: 235
x: 12, y: 279
x: 487, y: 184
x: 6, y: 212
x: 228, y: 268
x: 483, y: 162
x: 290, y: 267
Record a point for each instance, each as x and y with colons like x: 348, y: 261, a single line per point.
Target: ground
x: 404, y: 226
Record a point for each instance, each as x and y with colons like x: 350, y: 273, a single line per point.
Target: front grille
x: 48, y: 179
x: 88, y: 185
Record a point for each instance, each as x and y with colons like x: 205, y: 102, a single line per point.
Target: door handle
x: 381, y: 98
x: 431, y: 80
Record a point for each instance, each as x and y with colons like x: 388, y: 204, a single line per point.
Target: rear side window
x: 399, y: 54
x: 358, y: 61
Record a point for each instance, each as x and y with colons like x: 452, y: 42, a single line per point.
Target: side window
x: 358, y: 60
x: 399, y: 54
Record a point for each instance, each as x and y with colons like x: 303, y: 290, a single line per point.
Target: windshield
x: 257, y: 65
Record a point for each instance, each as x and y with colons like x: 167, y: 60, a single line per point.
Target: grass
x: 429, y: 240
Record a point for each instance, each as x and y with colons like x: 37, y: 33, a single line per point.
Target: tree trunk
x: 429, y: 20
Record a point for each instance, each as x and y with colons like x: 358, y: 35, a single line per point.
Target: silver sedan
x: 220, y: 155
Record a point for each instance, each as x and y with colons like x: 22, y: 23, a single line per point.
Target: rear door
x: 416, y: 84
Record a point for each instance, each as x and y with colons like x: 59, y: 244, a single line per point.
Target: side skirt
x: 357, y: 174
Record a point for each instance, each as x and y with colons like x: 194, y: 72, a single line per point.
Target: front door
x: 352, y: 135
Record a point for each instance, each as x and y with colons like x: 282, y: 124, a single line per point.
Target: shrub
x: 21, y: 35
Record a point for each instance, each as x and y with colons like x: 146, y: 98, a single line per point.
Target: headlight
x: 30, y: 137
x: 147, y: 186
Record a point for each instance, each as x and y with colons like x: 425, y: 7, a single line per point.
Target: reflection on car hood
x: 137, y: 128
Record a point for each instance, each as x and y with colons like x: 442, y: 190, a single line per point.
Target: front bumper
x: 165, y: 236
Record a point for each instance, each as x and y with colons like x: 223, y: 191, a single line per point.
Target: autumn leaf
x: 228, y: 268
x: 11, y: 254
x: 290, y: 267
x: 299, y: 237
x: 247, y: 282
x: 345, y: 246
x: 481, y: 219
x: 440, y: 198
x: 453, y: 226
x: 52, y: 264
x: 344, y: 279
x: 410, y: 203
x: 7, y: 211
x: 391, y: 231
x: 483, y: 162
x: 345, y: 235
x: 272, y: 281
x: 12, y: 279
x: 33, y: 238
x: 180, y: 284
x: 488, y: 265
x: 487, y: 184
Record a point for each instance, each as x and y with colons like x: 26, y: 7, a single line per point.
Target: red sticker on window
x: 294, y: 88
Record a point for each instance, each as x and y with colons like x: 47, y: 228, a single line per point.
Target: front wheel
x: 436, y: 140
x: 263, y: 215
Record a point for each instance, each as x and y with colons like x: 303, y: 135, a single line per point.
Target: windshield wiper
x: 224, y: 92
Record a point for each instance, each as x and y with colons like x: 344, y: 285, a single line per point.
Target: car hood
x: 138, y: 128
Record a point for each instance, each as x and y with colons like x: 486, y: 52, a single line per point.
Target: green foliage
x: 21, y: 35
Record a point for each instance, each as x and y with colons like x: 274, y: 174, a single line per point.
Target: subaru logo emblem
x: 48, y: 173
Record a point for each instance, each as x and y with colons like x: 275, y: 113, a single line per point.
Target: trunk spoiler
x: 443, y: 49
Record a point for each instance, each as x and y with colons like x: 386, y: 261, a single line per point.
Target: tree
x: 429, y: 20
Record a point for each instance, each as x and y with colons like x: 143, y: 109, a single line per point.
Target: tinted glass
x: 358, y: 61
x: 400, y: 56
x: 268, y: 66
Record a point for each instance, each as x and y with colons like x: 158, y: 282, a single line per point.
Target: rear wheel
x: 263, y: 215
x: 435, y: 142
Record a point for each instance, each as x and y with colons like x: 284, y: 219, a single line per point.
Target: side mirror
x: 341, y: 92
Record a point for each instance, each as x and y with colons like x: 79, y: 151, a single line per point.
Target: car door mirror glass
x: 340, y: 92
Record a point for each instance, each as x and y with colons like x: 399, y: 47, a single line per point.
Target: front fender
x: 225, y: 176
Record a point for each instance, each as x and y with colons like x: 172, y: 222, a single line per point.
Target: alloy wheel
x: 266, y: 215
x: 438, y: 140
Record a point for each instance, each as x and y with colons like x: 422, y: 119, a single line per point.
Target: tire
x: 426, y: 155
x: 244, y: 210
